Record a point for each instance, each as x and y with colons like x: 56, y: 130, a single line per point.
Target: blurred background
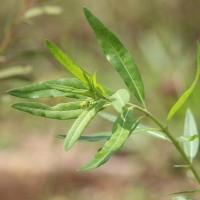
x: 162, y: 37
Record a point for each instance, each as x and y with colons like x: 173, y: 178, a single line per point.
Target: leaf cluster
x: 90, y: 98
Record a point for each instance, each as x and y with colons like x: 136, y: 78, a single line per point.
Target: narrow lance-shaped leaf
x: 118, y: 56
x: 187, y: 93
x: 140, y: 128
x: 71, y: 90
x: 120, y: 99
x: 181, y: 198
x: 67, y: 62
x: 190, y: 129
x: 43, y: 89
x: 187, y: 191
x: 187, y: 138
x: 122, y: 128
x: 106, y: 135
x: 90, y: 138
x: 97, y: 87
x: 61, y: 111
x: 81, y: 123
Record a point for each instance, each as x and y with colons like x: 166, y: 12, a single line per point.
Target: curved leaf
x: 190, y: 129
x: 181, y: 198
x: 187, y: 93
x: 122, y: 128
x: 187, y: 191
x: 71, y: 90
x: 61, y: 111
x: 108, y: 116
x: 37, y: 11
x: 120, y: 99
x: 67, y: 62
x: 118, y: 56
x: 140, y: 128
x: 90, y: 138
x: 43, y: 89
x: 81, y: 123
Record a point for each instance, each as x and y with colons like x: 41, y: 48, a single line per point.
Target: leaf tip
x: 85, y: 9
x: 9, y: 91
x: 48, y: 43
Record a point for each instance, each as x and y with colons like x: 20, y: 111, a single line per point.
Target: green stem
x: 173, y: 140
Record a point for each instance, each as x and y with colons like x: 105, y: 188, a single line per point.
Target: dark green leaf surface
x: 118, y: 56
x: 81, y: 123
x: 67, y: 62
x: 120, y: 99
x: 90, y: 138
x: 190, y: 130
x: 187, y: 93
x: 122, y: 128
x: 43, y: 89
x: 61, y: 111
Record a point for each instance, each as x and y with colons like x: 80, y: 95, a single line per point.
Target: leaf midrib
x: 127, y: 72
x: 110, y: 149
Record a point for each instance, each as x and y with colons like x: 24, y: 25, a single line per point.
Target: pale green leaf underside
x: 181, y: 198
x: 81, y: 123
x: 182, y: 166
x: 63, y: 111
x: 44, y: 90
x: 190, y: 130
x: 140, y: 128
x: 37, y: 11
x: 67, y: 62
x: 188, y: 138
x: 106, y: 135
x: 118, y: 56
x: 122, y: 128
x: 120, y: 99
x: 187, y: 93
x: 71, y: 90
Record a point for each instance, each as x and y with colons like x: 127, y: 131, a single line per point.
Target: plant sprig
x: 91, y: 97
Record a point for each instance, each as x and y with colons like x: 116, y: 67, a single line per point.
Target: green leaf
x: 108, y: 116
x: 97, y: 87
x: 43, y: 89
x: 71, y: 90
x: 106, y: 135
x: 151, y: 131
x: 140, y: 128
x: 118, y: 56
x: 90, y: 138
x: 190, y: 130
x: 187, y: 192
x: 120, y: 99
x: 81, y: 123
x: 68, y: 63
x: 181, y: 198
x: 182, y: 166
x: 37, y: 11
x: 122, y: 128
x: 187, y: 93
x: 187, y: 138
x: 61, y: 111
